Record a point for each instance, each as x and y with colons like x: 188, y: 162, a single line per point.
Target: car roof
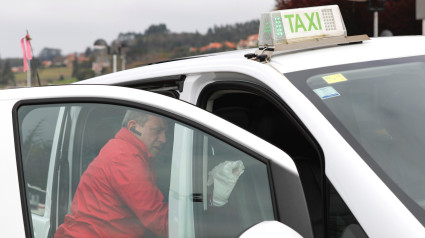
x: 373, y: 49
x: 289, y: 61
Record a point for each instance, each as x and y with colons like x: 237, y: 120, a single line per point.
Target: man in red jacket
x: 117, y: 195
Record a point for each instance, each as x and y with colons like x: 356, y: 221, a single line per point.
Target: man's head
x: 149, y: 129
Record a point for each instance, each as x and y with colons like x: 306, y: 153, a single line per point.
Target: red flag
x: 27, y: 54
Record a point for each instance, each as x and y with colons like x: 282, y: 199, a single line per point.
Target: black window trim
x: 159, y: 84
x: 86, y: 100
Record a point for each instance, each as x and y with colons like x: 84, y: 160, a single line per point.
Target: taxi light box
x: 302, y: 24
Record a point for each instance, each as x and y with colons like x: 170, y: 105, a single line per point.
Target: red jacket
x: 117, y: 194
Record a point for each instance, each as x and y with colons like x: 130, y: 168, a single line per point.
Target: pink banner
x: 24, y: 55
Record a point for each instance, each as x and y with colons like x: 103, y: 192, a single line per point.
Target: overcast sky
x: 74, y: 25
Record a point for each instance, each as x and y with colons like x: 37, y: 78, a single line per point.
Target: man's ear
x: 131, y: 123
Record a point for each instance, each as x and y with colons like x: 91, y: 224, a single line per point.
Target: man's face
x: 153, y: 134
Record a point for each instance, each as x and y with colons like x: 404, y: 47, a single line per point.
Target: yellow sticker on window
x: 334, y: 78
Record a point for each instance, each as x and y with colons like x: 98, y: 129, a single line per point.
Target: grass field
x: 47, y: 76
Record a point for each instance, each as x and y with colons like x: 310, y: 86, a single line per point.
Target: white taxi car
x: 329, y: 128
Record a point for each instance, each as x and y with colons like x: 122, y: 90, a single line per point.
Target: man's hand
x: 224, y: 177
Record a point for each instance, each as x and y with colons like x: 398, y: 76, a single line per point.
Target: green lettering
x: 310, y: 21
x: 267, y: 27
x: 318, y: 21
x: 299, y: 23
x: 278, y: 26
x: 289, y: 17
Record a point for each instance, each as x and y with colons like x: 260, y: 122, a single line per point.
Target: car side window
x: 100, y: 171
x: 235, y: 190
x: 37, y: 135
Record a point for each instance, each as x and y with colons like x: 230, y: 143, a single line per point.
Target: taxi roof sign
x: 298, y: 25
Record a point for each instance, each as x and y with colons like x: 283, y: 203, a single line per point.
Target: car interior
x: 261, y: 116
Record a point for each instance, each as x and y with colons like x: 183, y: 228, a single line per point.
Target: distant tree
x: 82, y: 70
x: 157, y: 43
x: 88, y: 52
x: 7, y: 76
x: 398, y: 16
x: 85, y: 74
x: 75, y: 66
x: 49, y: 54
x: 85, y: 65
x: 157, y: 29
x: 232, y: 33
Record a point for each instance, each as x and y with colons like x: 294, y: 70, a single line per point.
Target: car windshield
x: 379, y: 109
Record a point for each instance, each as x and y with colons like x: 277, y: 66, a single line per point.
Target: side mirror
x: 270, y: 229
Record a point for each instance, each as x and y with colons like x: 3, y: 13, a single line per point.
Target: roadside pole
x: 114, y: 63
x: 123, y: 62
x: 29, y: 74
x: 375, y: 24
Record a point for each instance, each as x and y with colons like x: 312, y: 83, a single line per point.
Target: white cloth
x: 224, y: 177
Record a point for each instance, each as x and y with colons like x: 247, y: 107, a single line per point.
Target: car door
x: 216, y: 179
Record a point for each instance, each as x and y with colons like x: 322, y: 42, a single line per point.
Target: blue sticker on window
x: 326, y: 92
